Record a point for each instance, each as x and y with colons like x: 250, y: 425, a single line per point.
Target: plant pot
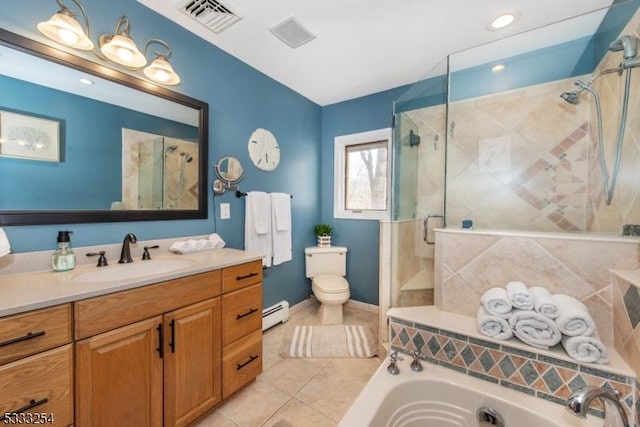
x: 324, y: 241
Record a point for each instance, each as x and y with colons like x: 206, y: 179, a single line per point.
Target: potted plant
x: 323, y: 232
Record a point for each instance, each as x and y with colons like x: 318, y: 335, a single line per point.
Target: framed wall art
x: 27, y: 137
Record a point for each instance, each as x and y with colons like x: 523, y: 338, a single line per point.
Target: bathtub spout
x: 580, y: 401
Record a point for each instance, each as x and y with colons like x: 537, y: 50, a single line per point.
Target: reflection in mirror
x: 115, y: 160
x: 230, y: 172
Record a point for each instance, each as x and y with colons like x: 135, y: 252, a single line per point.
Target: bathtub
x: 441, y: 397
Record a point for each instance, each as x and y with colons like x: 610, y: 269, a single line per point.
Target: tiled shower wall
x: 470, y: 263
x: 527, y: 160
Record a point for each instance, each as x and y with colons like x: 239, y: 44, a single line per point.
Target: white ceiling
x: 365, y: 46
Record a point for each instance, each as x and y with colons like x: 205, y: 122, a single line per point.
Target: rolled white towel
x: 534, y: 329
x: 574, y: 318
x: 493, y: 326
x: 496, y: 302
x: 588, y: 349
x: 543, y: 302
x: 181, y: 247
x: 216, y: 241
x: 200, y: 244
x: 519, y: 296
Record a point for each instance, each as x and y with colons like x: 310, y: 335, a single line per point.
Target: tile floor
x: 298, y: 392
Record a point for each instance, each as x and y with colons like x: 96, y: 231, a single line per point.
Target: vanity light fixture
x: 64, y: 28
x: 502, y: 21
x: 119, y: 47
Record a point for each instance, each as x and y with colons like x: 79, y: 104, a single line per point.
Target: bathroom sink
x: 132, y: 271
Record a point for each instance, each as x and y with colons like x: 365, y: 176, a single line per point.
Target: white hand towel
x: 589, y: 349
x: 574, y: 318
x: 200, y: 244
x: 254, y: 241
x: 543, y: 302
x: 534, y: 329
x: 496, y: 302
x: 493, y: 326
x: 181, y: 247
x: 281, y: 227
x: 5, y: 247
x: 519, y: 295
x: 216, y: 241
x: 261, y: 211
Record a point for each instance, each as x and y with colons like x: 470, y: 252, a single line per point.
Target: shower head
x: 170, y: 149
x: 186, y: 157
x: 627, y: 44
x: 571, y: 97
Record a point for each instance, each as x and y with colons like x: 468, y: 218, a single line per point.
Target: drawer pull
x: 246, y: 276
x: 29, y: 336
x: 242, y: 365
x: 160, y: 348
x: 32, y: 404
x: 248, y: 313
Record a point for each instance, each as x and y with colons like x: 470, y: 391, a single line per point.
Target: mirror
x: 230, y: 172
x: 120, y: 149
x: 229, y: 169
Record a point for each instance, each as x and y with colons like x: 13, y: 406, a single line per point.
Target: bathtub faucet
x: 393, y: 366
x: 416, y: 366
x: 580, y: 401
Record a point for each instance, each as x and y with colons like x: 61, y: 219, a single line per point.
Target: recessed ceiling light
x: 497, y: 68
x: 86, y: 81
x: 502, y: 21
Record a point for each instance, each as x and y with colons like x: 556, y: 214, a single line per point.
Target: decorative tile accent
x: 632, y: 304
x: 527, y: 372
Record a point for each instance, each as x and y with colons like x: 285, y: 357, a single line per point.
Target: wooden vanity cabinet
x: 36, y: 367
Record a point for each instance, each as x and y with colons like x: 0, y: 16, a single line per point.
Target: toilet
x: 326, y: 268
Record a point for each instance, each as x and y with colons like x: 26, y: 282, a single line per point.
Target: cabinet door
x: 192, y: 381
x: 119, y: 377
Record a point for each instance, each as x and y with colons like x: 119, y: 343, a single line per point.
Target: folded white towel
x: 200, y: 244
x: 534, y: 329
x: 261, y: 212
x: 254, y: 240
x: 496, y: 302
x: 589, y: 349
x: 5, y: 247
x: 543, y: 302
x: 181, y: 247
x: 281, y: 211
x: 493, y: 326
x: 574, y: 318
x: 519, y: 295
x: 216, y: 241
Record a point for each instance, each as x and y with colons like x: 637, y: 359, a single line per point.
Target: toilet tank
x: 331, y: 260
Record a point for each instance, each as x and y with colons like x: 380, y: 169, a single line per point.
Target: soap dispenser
x: 63, y: 257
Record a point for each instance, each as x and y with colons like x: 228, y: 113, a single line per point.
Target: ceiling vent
x: 210, y: 13
x: 292, y: 33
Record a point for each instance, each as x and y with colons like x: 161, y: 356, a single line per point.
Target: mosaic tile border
x: 528, y: 372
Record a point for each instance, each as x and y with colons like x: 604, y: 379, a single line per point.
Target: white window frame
x: 339, y: 179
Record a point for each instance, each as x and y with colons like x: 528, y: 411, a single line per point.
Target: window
x: 362, y: 172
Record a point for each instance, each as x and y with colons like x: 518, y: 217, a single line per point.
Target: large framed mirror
x: 116, y: 149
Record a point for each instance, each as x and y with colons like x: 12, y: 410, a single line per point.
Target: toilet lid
x: 331, y: 283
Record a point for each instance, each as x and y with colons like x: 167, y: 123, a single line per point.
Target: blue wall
x: 240, y: 99
x: 361, y: 237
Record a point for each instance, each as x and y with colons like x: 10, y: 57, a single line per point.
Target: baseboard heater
x: 277, y: 313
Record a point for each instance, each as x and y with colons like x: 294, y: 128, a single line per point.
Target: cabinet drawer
x: 29, y: 333
x: 100, y: 314
x: 43, y: 383
x: 240, y: 276
x: 241, y: 362
x: 241, y: 313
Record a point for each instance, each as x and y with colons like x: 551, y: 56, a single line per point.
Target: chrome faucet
x: 416, y: 366
x: 125, y: 254
x: 393, y: 367
x: 580, y: 401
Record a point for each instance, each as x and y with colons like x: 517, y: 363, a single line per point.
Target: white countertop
x: 33, y: 290
x: 466, y: 325
x: 630, y: 276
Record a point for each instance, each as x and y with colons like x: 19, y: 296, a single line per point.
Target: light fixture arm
x: 165, y: 55
x: 122, y: 21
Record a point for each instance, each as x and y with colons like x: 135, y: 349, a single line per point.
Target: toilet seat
x: 330, y: 284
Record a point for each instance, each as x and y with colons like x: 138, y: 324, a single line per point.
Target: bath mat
x: 329, y: 341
